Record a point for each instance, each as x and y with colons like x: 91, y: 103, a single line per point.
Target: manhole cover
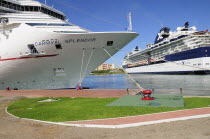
x: 154, y: 104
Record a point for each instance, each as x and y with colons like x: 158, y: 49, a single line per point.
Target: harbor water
x: 192, y: 85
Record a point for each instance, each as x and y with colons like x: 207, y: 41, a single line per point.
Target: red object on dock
x: 146, y: 95
x: 147, y: 92
x: 7, y: 89
x: 79, y: 87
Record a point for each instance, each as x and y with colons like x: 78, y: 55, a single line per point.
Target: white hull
x: 39, y: 72
x: 182, y: 51
x: 174, y: 67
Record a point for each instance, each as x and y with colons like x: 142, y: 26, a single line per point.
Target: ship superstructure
x: 183, y: 51
x: 39, y: 49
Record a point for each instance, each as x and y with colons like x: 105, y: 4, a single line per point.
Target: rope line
x: 88, y: 64
x: 138, y: 85
x: 83, y: 55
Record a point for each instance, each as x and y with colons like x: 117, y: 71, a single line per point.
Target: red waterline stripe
x: 28, y: 57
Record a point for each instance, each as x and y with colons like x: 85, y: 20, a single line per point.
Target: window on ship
x: 58, y: 46
x: 17, y: 7
x: 109, y: 43
x: 32, y: 49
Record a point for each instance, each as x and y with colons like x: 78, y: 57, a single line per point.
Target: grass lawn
x: 107, y: 73
x: 74, y: 109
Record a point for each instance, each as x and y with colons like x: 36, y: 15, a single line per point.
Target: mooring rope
x: 88, y: 64
x: 83, y: 55
x: 137, y: 84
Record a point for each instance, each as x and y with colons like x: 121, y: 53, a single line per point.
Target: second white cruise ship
x: 39, y: 49
x: 185, y: 51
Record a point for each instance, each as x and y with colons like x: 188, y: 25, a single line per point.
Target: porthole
x: 58, y: 46
x: 110, y: 43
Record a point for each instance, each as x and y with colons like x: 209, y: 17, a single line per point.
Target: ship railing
x: 165, y: 43
x: 160, y: 45
x: 183, y: 89
x: 194, y: 42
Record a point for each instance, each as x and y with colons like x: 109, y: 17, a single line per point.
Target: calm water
x: 163, y: 84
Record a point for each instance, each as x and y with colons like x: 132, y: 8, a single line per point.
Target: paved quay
x: 16, y: 128
x: 91, y: 93
x: 132, y: 121
x: 122, y: 122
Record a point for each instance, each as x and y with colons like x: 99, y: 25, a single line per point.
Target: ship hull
x: 54, y: 68
x: 175, y: 67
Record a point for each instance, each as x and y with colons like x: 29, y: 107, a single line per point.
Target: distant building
x: 106, y: 66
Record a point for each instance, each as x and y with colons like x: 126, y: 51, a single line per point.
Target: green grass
x: 74, y: 109
x: 107, y: 73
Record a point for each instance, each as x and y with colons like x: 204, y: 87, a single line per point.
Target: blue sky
x: 148, y: 15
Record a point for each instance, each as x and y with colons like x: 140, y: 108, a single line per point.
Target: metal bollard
x: 153, y: 90
x: 128, y: 92
x: 180, y: 91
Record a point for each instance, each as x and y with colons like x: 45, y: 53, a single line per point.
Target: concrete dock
x: 89, y: 93
x: 130, y: 121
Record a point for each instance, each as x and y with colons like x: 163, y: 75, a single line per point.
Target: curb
x: 122, y: 125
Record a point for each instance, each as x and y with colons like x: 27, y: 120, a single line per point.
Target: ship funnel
x: 164, y: 33
x: 136, y: 49
x: 185, y: 27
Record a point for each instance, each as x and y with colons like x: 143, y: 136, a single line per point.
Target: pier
x: 123, y: 122
x: 88, y: 93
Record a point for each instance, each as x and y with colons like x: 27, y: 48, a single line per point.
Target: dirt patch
x: 10, y: 98
x: 207, y: 134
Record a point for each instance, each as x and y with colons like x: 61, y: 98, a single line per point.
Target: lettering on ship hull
x: 80, y: 40
x: 47, y: 42
x: 56, y: 41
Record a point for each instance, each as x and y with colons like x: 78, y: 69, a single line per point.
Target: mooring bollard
x: 181, y: 91
x: 153, y: 90
x: 7, y: 89
x: 146, y: 95
x: 127, y: 91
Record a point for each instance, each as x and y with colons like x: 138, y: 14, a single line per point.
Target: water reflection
x: 163, y: 84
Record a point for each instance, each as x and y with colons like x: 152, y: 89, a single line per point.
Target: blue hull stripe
x: 189, y: 54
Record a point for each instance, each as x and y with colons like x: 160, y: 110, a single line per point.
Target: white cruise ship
x: 185, y: 51
x: 39, y: 49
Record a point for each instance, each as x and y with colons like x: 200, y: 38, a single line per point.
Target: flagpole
x: 45, y: 2
x: 130, y: 28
